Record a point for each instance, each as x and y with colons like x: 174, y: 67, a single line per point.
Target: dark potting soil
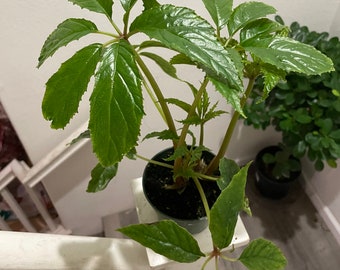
x: 181, y: 205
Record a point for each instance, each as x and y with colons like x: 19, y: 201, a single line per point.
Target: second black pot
x: 266, y: 183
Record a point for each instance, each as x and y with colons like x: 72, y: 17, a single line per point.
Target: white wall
x: 25, y: 24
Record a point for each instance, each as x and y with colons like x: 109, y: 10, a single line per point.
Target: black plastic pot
x: 267, y: 184
x: 184, y: 207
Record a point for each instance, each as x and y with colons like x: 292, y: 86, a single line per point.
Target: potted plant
x: 116, y: 103
x: 275, y: 171
x: 304, y: 109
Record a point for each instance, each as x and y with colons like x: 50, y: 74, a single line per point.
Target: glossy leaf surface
x: 259, y: 29
x: 116, y: 104
x: 66, y: 87
x: 184, y: 31
x: 128, y: 4
x: 99, y: 6
x: 67, y: 31
x: 166, y: 238
x: 101, y: 177
x: 261, y: 254
x: 290, y: 55
x: 246, y: 13
x: 219, y: 10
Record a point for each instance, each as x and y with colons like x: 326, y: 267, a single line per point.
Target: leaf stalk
x: 159, y: 95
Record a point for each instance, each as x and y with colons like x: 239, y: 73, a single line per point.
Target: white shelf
x: 146, y: 214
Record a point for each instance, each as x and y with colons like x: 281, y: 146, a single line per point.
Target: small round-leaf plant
x: 303, y: 108
x: 239, y: 45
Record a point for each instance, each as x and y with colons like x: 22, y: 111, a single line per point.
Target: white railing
x: 31, y: 176
x: 23, y: 251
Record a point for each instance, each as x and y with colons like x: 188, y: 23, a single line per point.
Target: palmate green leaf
x: 166, y: 238
x: 116, y: 104
x: 290, y: 55
x: 262, y: 254
x: 182, y: 30
x: 167, y: 67
x: 66, y: 87
x: 101, y: 177
x: 246, y: 13
x: 219, y: 11
x: 69, y: 30
x: 224, y: 212
x: 99, y: 6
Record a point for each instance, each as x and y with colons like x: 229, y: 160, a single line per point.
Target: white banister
x: 20, y: 170
x: 31, y: 176
x: 37, y: 251
x: 6, y: 177
x: 54, y: 158
x: 8, y: 197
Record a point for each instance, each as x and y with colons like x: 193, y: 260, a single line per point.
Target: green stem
x: 109, y: 42
x: 206, y: 262
x: 107, y: 34
x: 159, y: 95
x: 155, y: 162
x: 126, y: 23
x: 115, y: 26
x: 154, y: 100
x: 203, y: 197
x: 212, y: 167
x: 206, y: 177
x: 228, y: 258
x: 201, y: 134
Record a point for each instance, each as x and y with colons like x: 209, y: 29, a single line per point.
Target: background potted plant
x: 116, y: 103
x: 305, y: 110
